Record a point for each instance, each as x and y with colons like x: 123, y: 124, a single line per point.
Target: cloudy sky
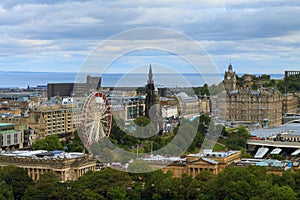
x: 58, y: 36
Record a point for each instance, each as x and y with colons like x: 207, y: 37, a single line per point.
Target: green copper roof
x: 9, y: 131
x: 6, y: 124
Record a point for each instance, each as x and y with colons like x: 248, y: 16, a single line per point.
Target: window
x: 8, y: 140
x: 16, y: 138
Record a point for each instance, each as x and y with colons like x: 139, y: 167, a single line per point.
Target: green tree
x: 116, y: 193
x: 236, y: 183
x: 204, y: 122
x: 280, y: 193
x: 144, y: 127
x: 199, y: 183
x: 17, y: 179
x: 139, y: 166
x: 142, y: 121
x: 155, y: 184
x: 101, y: 182
x: 49, y: 143
x: 76, y: 145
x: 6, y: 192
x: 237, y: 139
x: 47, y: 187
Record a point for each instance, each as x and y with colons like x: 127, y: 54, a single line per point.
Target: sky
x: 61, y: 36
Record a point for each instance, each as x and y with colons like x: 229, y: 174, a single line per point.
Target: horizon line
x: 1, y: 71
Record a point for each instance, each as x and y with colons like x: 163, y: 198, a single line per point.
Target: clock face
x: 228, y: 77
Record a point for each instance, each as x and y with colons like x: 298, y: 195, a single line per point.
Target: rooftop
x: 162, y: 158
x: 42, y: 154
x: 291, y: 128
x: 210, y: 153
x: 6, y: 124
x: 9, y: 131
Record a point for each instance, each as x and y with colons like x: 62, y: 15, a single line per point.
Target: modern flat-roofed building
x: 74, y: 89
x: 127, y: 107
x: 60, y: 89
x: 9, y: 137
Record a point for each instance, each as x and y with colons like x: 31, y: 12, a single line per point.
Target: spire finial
x: 230, y: 69
x: 150, y: 75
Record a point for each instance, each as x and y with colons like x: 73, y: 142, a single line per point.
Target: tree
x: 76, y: 145
x: 15, y: 178
x: 236, y: 183
x: 199, y: 183
x: 49, y: 143
x: 6, y: 192
x: 154, y: 184
x: 142, y: 121
x: 102, y: 182
x: 280, y: 193
x: 116, y: 193
x: 139, y: 166
x: 144, y: 127
x: 237, y: 139
x: 47, y: 187
x: 204, y: 122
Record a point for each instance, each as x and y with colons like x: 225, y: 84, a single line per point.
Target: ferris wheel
x: 96, y: 118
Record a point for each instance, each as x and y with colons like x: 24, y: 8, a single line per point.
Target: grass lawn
x: 218, y: 147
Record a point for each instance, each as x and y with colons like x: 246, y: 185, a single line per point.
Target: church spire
x: 230, y: 68
x: 150, y: 76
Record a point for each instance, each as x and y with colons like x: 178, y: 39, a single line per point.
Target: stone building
x: 151, y: 97
x: 205, y: 104
x: 289, y: 103
x: 188, y: 105
x: 263, y: 106
x: 152, y: 107
x: 67, y: 166
x: 169, y: 112
x: 230, y: 78
x: 55, y: 119
x: 193, y: 164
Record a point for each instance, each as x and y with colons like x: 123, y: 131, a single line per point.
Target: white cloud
x: 244, y: 30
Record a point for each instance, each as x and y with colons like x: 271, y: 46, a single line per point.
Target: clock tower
x: 230, y: 79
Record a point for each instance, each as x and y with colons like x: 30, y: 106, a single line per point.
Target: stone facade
x: 151, y: 97
x: 57, y: 119
x: 289, y: 104
x: 188, y: 105
x: 215, y: 162
x: 205, y: 105
x: 67, y: 169
x: 230, y: 78
x: 256, y: 106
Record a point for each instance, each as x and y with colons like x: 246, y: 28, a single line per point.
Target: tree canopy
x: 49, y: 143
x: 249, y: 183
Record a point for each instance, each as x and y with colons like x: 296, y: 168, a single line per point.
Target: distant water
x: 32, y: 79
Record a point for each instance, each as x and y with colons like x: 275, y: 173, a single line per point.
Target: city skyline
x: 58, y: 36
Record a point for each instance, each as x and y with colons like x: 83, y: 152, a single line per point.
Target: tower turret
x: 230, y: 79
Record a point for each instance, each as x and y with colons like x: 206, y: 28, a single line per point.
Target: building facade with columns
x: 193, y: 164
x: 67, y: 166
